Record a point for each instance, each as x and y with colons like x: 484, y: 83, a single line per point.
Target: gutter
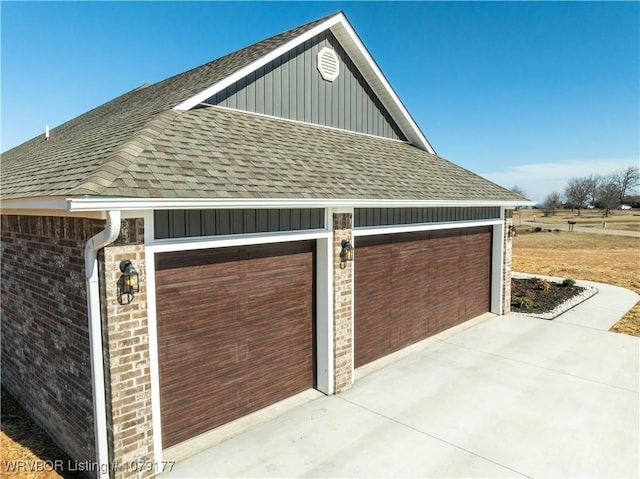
x: 95, y: 243
x: 88, y: 203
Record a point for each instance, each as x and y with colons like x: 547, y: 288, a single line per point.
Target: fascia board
x: 126, y: 204
x: 36, y: 203
x: 45, y: 206
x: 94, y: 214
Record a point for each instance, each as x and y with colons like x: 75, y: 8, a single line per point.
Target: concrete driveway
x: 509, y: 396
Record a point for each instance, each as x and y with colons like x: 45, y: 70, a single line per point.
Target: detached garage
x: 189, y: 247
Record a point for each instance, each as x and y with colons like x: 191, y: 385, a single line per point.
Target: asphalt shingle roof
x: 138, y: 146
x: 221, y: 153
x: 97, y: 145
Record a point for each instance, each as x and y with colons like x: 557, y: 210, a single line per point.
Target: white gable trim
x: 350, y: 41
x: 376, y: 79
x: 251, y: 67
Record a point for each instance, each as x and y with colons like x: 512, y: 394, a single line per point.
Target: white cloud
x: 540, y: 179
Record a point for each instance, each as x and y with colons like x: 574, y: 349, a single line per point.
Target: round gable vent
x: 328, y: 64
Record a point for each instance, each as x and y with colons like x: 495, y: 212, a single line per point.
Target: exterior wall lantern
x: 346, y: 255
x: 129, y: 282
x: 512, y: 231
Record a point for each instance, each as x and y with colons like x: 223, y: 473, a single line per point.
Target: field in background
x: 602, y: 258
x: 628, y: 220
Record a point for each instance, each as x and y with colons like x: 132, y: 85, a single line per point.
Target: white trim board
x: 95, y: 206
x: 324, y: 311
x: 98, y: 214
x: 35, y: 203
x: 225, y: 241
x: 447, y: 225
x: 497, y: 265
x: 123, y: 204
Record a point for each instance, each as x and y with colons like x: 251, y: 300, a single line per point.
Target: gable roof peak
x: 243, y: 62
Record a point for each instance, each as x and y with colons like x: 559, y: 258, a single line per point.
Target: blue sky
x: 523, y: 93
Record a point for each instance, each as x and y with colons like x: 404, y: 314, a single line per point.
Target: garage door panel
x: 239, y: 339
x: 372, y: 334
x: 410, y: 286
x: 410, y: 297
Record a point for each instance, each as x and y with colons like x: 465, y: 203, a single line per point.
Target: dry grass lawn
x: 27, y: 451
x: 603, y: 258
x: 628, y: 220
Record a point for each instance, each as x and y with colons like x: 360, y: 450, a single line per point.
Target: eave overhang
x: 59, y: 206
x: 124, y: 204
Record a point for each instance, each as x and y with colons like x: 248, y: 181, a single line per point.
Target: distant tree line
x: 605, y: 192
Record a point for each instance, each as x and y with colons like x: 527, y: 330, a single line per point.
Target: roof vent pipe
x: 46, y: 132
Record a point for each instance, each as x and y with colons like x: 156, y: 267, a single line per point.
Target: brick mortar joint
x: 342, y: 306
x: 127, y: 349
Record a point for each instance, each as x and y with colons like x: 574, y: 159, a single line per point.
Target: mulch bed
x: 544, y: 300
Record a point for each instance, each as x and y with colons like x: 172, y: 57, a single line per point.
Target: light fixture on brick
x: 129, y: 282
x: 346, y: 254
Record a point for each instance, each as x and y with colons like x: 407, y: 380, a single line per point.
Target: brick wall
x: 45, y: 334
x: 126, y: 351
x: 342, y: 305
x: 506, y: 268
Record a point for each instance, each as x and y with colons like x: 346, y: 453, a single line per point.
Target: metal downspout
x: 95, y: 243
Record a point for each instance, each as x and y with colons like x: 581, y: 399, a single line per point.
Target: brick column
x: 126, y: 352
x: 506, y: 267
x: 342, y: 305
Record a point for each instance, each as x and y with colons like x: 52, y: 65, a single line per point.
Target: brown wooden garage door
x: 411, y: 286
x: 235, y: 333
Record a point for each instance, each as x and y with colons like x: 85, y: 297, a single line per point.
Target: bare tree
x: 592, y: 183
x: 577, y: 192
x: 518, y: 191
x: 626, y: 180
x: 608, y: 194
x: 552, y: 202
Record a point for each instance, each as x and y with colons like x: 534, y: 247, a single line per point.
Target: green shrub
x: 568, y: 282
x: 523, y: 303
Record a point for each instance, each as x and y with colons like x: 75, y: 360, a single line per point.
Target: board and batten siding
x: 291, y: 87
x: 193, y: 223
x: 366, y: 217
